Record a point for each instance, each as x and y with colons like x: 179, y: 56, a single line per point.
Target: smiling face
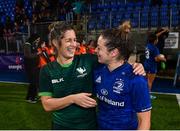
x: 67, y: 45
x: 102, y: 52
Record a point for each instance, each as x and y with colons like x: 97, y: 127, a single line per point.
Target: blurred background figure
x: 77, y: 9
x: 91, y: 47
x: 46, y: 55
x: 81, y: 49
x: 162, y: 34
x: 125, y: 28
x: 152, y: 56
x: 31, y: 61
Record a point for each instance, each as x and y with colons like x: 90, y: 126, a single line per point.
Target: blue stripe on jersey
x: 121, y: 95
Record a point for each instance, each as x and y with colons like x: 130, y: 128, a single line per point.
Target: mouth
x: 71, y: 49
x: 98, y: 56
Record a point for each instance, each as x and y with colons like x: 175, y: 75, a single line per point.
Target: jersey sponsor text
x: 110, y: 101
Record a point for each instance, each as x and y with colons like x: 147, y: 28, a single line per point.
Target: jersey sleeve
x: 156, y: 51
x: 45, y: 86
x: 140, y: 95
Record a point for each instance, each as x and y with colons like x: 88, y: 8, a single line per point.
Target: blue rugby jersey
x: 121, y: 94
x: 151, y: 52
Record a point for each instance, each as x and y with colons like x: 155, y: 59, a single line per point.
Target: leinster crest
x: 118, y: 86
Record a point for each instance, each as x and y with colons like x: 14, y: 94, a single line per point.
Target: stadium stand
x: 99, y: 15
x: 167, y: 15
x: 159, y: 16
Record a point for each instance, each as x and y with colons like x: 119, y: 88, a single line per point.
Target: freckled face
x: 68, y: 44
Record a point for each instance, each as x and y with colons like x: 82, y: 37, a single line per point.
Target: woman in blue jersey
x: 123, y: 97
x: 66, y: 84
x: 152, y: 56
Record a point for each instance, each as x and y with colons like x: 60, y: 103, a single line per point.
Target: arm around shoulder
x: 138, y: 69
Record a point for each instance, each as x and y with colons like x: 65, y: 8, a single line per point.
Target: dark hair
x: 58, y: 30
x: 94, y: 43
x: 152, y: 37
x: 32, y: 38
x: 114, y: 40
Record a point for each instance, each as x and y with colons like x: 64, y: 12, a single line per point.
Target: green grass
x: 165, y: 113
x: 16, y: 114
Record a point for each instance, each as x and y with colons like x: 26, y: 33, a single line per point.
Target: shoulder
x: 100, y: 68
x: 128, y: 70
x: 138, y: 78
x: 99, y: 71
x: 139, y: 83
x: 149, y: 45
x: 27, y: 44
x: 135, y: 79
x: 49, y: 69
x: 50, y: 66
x: 86, y: 58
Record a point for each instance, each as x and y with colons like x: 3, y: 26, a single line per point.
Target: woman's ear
x: 114, y: 52
x: 54, y: 43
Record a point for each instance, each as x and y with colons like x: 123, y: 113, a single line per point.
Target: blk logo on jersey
x: 57, y: 80
x: 118, y: 86
x: 82, y: 72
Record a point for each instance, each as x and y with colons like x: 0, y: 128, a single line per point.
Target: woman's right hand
x: 84, y: 100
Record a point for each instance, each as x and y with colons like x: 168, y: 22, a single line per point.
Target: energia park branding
x: 11, y: 62
x: 15, y: 67
x: 18, y: 65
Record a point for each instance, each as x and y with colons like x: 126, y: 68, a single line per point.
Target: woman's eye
x: 68, y: 40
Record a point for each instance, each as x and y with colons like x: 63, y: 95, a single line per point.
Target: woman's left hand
x: 138, y: 69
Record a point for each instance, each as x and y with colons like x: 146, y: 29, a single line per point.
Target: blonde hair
x: 51, y: 26
x: 124, y: 25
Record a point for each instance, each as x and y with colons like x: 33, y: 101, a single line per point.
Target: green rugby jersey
x: 58, y: 82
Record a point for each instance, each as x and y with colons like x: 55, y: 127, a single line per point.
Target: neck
x: 63, y: 61
x: 115, y: 64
